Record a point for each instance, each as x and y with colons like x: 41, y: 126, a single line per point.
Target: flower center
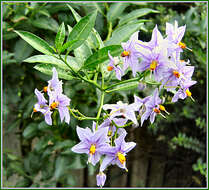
x: 121, y: 157
x: 92, y: 149
x: 34, y: 110
x: 176, y: 74
x: 45, y: 88
x: 188, y: 93
x: 153, y: 65
x: 54, y: 105
x: 182, y: 45
x: 156, y: 110
x: 125, y: 53
x: 109, y: 68
x: 122, y: 110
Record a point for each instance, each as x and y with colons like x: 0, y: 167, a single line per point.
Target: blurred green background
x: 169, y: 153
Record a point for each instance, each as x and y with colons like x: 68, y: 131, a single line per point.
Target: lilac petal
x: 181, y: 31
x: 110, y: 106
x: 95, y: 158
x: 80, y: 148
x: 64, y: 113
x: 120, y: 121
x: 101, y: 178
x: 84, y: 134
x: 123, y: 166
x: 126, y: 147
x: 63, y: 100
x: 94, y: 126
x: 175, y: 97
x: 48, y: 118
x: 40, y: 97
x: 107, y: 161
x: 152, y: 117
x: 156, y: 38
x: 144, y: 65
x: 131, y: 115
x: 120, y: 139
x: 145, y: 116
x: 100, y: 135
x: 106, y: 123
x: 188, y: 71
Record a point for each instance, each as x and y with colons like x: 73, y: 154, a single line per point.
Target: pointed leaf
x: 47, y: 69
x: 82, y: 30
x: 123, y: 33
x: 36, y: 42
x: 72, y: 61
x: 127, y: 86
x: 60, y: 37
x: 102, y: 55
x: 115, y: 10
x: 136, y: 14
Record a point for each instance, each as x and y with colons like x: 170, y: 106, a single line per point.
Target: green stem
x: 79, y: 76
x: 109, y: 31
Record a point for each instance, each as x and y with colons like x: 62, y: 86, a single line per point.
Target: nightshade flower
x: 54, y: 85
x: 117, y: 154
x: 122, y: 109
x: 42, y: 107
x: 101, y: 178
x: 177, y: 73
x: 60, y: 101
x: 130, y: 54
x: 140, y: 103
x: 154, y: 60
x: 92, y: 143
x: 153, y: 107
x: 114, y: 65
x: 184, y: 92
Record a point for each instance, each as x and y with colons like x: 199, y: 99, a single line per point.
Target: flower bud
x: 101, y: 178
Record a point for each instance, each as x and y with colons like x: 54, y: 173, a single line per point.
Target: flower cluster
x: 56, y: 100
x: 162, y: 57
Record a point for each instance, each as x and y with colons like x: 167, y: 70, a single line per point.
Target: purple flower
x: 121, y: 109
x: 60, y: 101
x: 111, y: 127
x: 114, y: 65
x: 153, y: 59
x: 54, y: 85
x: 175, y: 35
x: 42, y: 107
x: 116, y: 155
x: 101, y: 178
x: 183, y: 92
x: 152, y: 107
x: 92, y: 143
x: 177, y: 73
x: 140, y: 103
x: 130, y: 54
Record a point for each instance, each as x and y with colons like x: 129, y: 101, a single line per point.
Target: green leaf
x: 83, y: 52
x: 30, y: 131
x: 127, y: 86
x: 82, y: 29
x: 60, y: 37
x: 72, y: 61
x: 115, y: 11
x: 94, y: 32
x: 136, y: 14
x: 47, y: 69
x: 36, y: 42
x: 123, y: 33
x: 46, y: 23
x: 102, y: 55
x: 22, y: 50
x: 70, y: 45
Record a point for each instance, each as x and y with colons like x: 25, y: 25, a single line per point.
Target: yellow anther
x: 92, y: 149
x: 162, y: 108
x: 109, y: 68
x: 121, y: 157
x: 182, y: 45
x: 34, y: 110
x: 109, y: 133
x: 153, y: 65
x: 45, y: 88
x: 188, y: 93
x: 125, y: 53
x: 54, y: 105
x: 156, y: 110
x: 176, y: 74
x: 182, y: 61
